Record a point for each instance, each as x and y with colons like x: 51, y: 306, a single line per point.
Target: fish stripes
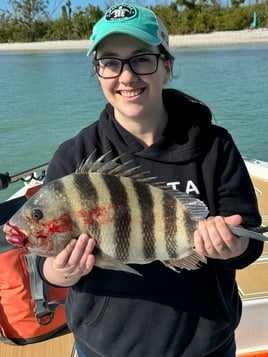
x: 122, y: 216
x: 145, y: 200
x: 170, y: 221
x: 60, y: 189
x: 188, y: 225
x: 88, y: 196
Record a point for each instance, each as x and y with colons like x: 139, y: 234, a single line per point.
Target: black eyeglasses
x: 146, y: 63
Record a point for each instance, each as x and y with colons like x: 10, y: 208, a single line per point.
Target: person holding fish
x: 148, y: 232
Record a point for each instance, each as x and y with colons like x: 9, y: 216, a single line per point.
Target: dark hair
x: 168, y: 56
x: 165, y: 52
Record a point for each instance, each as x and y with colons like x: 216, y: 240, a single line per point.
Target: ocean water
x: 47, y: 97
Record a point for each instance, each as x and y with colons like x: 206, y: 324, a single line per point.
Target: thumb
x: 233, y: 220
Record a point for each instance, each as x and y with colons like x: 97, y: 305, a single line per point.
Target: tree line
x: 30, y: 20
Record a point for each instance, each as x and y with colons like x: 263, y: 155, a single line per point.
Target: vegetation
x: 30, y: 20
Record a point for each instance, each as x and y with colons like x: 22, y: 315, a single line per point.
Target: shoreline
x: 176, y: 41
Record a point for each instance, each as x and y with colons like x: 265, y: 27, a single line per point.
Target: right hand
x: 75, y: 261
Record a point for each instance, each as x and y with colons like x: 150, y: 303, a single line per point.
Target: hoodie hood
x: 187, y: 135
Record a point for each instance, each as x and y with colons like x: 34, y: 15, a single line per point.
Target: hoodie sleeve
x: 230, y: 191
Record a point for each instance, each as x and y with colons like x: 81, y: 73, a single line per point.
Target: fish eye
x: 37, y: 214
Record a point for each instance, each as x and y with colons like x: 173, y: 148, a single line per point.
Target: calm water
x: 47, y: 97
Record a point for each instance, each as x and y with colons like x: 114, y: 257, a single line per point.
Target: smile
x: 131, y: 93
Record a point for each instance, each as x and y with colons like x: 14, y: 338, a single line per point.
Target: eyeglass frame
x: 128, y: 62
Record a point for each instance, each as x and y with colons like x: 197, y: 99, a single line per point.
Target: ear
x: 168, y: 67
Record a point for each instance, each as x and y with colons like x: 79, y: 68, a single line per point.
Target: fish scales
x: 186, y: 226
x: 167, y: 227
x: 159, y: 223
x: 170, y: 221
x: 74, y: 203
x: 136, y: 241
x: 84, y: 194
x: 122, y: 216
x: 145, y: 201
x: 103, y: 216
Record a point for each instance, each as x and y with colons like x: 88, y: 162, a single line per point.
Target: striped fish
x: 133, y: 218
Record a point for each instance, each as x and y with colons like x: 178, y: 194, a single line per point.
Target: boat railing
x: 36, y: 173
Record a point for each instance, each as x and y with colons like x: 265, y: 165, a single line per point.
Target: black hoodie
x: 164, y: 313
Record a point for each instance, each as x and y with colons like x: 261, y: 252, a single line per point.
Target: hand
x: 213, y: 238
x: 72, y: 263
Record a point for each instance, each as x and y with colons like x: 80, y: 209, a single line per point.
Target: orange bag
x: 30, y: 309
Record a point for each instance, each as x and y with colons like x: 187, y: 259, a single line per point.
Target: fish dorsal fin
x: 105, y: 164
x: 115, y: 167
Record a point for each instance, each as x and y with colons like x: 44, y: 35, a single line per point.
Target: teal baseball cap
x: 132, y: 20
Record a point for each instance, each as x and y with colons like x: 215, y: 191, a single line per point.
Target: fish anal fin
x: 105, y: 261
x: 190, y: 262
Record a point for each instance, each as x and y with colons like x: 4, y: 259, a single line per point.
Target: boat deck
x: 251, y: 334
x: 59, y: 347
x: 253, y: 281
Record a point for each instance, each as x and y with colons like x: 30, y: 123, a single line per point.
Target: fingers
x: 77, y: 258
x: 214, y: 239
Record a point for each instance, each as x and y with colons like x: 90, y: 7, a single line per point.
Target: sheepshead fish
x: 133, y: 218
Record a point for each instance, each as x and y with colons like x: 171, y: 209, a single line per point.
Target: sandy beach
x: 184, y: 41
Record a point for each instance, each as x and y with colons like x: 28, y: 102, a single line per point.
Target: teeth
x: 130, y: 94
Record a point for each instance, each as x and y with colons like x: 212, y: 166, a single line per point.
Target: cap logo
x: 120, y: 12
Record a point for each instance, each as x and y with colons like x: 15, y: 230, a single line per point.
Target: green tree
x: 85, y: 19
x: 189, y: 4
x: 236, y: 3
x: 26, y: 12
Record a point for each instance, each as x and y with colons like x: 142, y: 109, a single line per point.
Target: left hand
x: 213, y: 238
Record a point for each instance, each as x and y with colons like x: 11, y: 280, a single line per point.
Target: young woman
x: 170, y: 134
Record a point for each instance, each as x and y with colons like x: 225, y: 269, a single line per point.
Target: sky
x: 56, y: 4
x: 102, y: 3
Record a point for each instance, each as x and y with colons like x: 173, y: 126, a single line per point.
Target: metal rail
x: 6, y: 179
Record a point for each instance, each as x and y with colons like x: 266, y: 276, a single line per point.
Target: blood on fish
x: 103, y: 214
x: 20, y: 237
x: 61, y: 224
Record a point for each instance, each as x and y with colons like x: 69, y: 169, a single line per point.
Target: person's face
x: 133, y: 96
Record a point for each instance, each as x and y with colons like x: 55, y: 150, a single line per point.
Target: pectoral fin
x: 105, y: 261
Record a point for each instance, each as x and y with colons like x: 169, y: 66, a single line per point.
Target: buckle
x: 44, y: 318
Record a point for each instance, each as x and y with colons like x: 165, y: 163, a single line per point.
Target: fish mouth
x: 14, y: 235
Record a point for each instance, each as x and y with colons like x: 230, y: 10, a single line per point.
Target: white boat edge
x: 257, y: 168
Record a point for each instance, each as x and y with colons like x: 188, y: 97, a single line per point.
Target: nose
x: 127, y: 75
